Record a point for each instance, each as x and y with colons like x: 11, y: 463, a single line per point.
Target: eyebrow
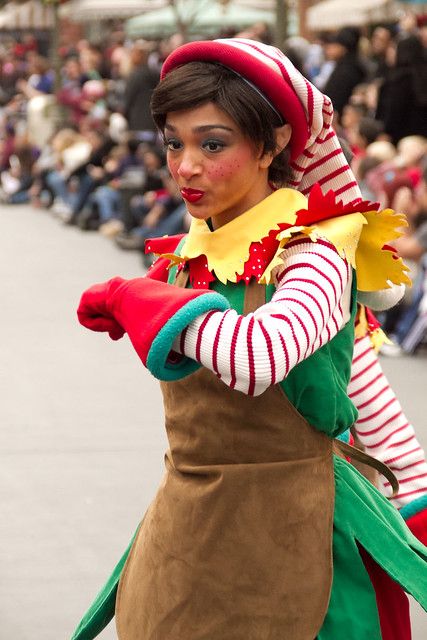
x: 202, y: 129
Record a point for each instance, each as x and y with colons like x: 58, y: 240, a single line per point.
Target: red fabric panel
x: 392, y: 601
x: 418, y: 526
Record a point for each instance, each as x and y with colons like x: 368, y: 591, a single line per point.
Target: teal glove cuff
x: 414, y: 507
x: 157, y: 360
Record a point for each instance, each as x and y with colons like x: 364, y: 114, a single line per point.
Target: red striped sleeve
x: 377, y: 429
x: 378, y: 412
x: 233, y: 352
x: 285, y: 319
x: 373, y: 398
x: 249, y: 338
x: 216, y: 343
x: 200, y: 334
x: 269, y: 345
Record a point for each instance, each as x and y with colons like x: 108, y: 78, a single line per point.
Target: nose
x: 190, y: 165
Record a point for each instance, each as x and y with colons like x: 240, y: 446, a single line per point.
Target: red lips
x: 192, y: 195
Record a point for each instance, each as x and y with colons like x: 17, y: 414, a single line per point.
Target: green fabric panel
x: 363, y: 514
x: 102, y: 609
x: 235, y: 293
x: 352, y: 612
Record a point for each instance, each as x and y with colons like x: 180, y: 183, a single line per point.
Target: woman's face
x: 220, y: 172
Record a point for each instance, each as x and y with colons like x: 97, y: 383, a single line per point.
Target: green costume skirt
x: 362, y: 517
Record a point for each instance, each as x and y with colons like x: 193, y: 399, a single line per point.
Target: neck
x: 256, y: 196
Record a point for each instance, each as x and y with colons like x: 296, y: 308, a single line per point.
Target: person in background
x: 137, y: 96
x: 349, y: 71
x: 381, y: 39
x: 40, y: 78
x: 402, y: 99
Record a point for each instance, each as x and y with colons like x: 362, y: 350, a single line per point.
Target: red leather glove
x: 93, y: 312
x: 152, y: 313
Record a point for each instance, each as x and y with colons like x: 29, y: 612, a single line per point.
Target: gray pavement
x: 81, y: 436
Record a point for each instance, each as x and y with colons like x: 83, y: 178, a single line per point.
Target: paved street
x: 81, y: 436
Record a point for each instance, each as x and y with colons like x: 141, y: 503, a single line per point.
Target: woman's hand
x: 152, y: 313
x: 95, y: 312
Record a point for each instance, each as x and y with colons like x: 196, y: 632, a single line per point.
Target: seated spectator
x: 73, y: 189
x: 7, y: 145
x: 65, y: 150
x: 16, y: 180
x: 104, y: 203
x: 93, y: 99
x: 403, y: 171
x: 40, y: 80
x: 364, y: 133
x: 70, y: 93
x: 351, y: 117
x: 136, y: 181
x: 157, y: 213
x: 406, y: 323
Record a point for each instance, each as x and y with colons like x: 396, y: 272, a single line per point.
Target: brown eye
x: 213, y: 146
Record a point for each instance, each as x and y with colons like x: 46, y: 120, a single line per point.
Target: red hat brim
x: 274, y: 86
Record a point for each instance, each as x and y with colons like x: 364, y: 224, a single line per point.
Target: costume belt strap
x: 182, y: 278
x: 351, y: 452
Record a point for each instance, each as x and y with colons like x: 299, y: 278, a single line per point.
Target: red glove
x: 152, y: 313
x: 93, y: 312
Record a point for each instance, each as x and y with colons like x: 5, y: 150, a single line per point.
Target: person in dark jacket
x: 402, y: 100
x: 139, y: 88
x: 349, y: 71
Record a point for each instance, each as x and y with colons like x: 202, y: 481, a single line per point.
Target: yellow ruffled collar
x: 358, y: 237
x: 227, y: 248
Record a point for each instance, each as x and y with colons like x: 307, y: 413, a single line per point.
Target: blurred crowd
x: 81, y: 142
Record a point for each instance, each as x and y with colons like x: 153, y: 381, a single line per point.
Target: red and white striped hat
x: 316, y: 155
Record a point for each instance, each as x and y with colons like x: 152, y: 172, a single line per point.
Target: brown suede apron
x: 237, y: 544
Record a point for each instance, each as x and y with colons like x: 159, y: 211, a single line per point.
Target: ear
x: 283, y: 135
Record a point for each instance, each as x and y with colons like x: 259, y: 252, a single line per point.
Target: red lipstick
x: 192, y: 195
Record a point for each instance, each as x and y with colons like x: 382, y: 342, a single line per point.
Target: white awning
x: 29, y: 15
x: 333, y: 14
x: 90, y: 10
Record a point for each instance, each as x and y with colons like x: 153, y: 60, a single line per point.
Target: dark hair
x: 197, y: 83
x: 409, y: 52
x: 370, y: 129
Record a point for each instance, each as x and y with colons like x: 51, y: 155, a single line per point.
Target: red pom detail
x: 324, y: 206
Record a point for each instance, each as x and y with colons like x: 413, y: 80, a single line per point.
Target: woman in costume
x: 259, y: 529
